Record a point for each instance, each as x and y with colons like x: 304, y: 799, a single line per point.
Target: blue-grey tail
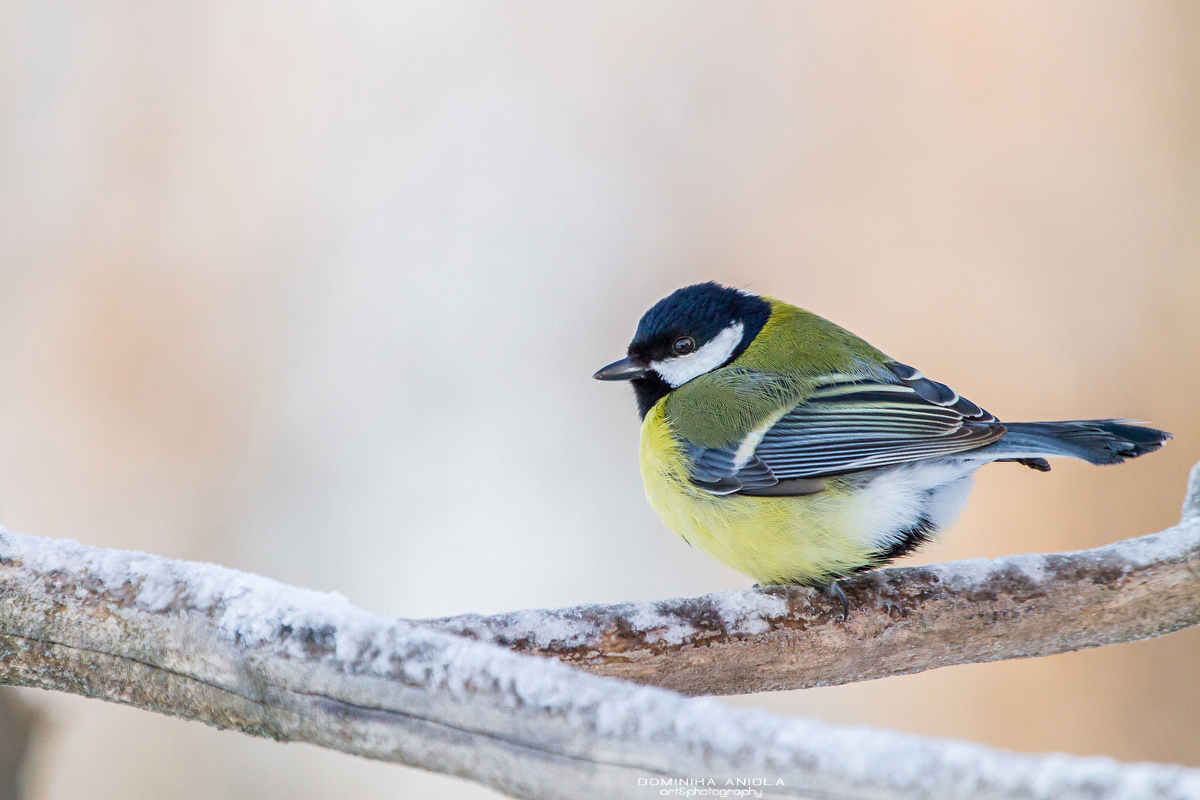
x: 1097, y: 441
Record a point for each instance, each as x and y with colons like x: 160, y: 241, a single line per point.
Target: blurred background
x: 316, y: 290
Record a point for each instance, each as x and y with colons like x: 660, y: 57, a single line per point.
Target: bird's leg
x: 833, y: 591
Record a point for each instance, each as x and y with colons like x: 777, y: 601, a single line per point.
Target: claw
x: 834, y: 592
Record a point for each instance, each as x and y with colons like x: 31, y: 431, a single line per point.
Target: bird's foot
x: 833, y: 591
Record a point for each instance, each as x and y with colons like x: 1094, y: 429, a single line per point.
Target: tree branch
x: 240, y: 651
x: 903, y: 619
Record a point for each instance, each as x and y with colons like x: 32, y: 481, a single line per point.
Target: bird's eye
x: 683, y: 345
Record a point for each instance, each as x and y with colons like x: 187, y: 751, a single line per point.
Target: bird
x: 791, y: 450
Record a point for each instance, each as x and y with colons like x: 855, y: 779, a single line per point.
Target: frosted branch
x: 903, y: 619
x: 240, y: 651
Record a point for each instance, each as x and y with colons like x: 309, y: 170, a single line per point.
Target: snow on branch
x: 244, y: 652
x: 902, y: 620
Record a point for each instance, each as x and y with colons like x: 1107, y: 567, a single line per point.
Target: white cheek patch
x: 679, y: 370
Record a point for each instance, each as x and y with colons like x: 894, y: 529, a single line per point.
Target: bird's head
x: 690, y: 332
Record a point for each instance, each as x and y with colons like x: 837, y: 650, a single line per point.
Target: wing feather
x: 847, y: 425
x: 854, y: 425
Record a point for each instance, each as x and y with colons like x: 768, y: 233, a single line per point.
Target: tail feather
x: 1098, y: 441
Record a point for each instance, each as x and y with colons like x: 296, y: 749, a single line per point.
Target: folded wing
x: 848, y: 425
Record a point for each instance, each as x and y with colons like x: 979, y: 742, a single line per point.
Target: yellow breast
x: 807, y: 539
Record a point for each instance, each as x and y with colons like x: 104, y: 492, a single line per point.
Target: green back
x: 780, y: 369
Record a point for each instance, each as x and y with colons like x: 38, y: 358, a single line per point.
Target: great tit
x: 794, y: 452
